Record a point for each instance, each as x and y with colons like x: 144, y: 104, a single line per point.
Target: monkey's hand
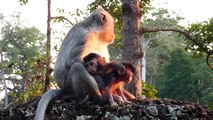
x: 114, y: 105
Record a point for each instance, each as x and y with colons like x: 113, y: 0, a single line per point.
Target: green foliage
x: 33, y: 82
x: 21, y: 45
x: 23, y: 2
x: 170, y: 68
x: 33, y: 89
x: 149, y: 91
x: 67, y: 21
x: 160, y: 44
x: 210, y: 105
x: 161, y: 18
x: 203, y: 35
x: 24, y: 51
x: 186, y: 79
x: 178, y: 71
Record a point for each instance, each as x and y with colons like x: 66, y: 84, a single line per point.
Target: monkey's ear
x: 129, y: 66
x: 121, y: 70
x: 103, y: 18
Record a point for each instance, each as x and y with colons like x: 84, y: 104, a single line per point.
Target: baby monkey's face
x: 92, y: 66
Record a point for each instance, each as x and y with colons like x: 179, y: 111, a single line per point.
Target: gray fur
x: 69, y: 73
x: 44, y: 101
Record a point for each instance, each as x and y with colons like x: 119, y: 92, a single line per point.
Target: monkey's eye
x: 92, y: 63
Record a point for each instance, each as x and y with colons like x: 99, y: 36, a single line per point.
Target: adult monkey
x: 93, y: 34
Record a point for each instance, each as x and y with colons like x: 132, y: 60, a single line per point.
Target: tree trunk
x: 131, y: 51
x: 5, y: 84
x: 144, y: 66
x: 48, y: 68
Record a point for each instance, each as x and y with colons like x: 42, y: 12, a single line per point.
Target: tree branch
x: 187, y: 35
x: 184, y: 32
x: 10, y: 79
x: 63, y: 18
x: 207, y: 61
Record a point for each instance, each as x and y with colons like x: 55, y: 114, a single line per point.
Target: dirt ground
x: 164, y: 109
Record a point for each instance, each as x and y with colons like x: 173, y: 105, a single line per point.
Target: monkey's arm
x: 120, y: 93
x: 109, y: 95
x: 81, y: 82
x: 43, y: 103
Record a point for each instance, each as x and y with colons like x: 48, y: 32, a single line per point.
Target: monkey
x: 109, y: 76
x: 94, y: 64
x: 92, y: 35
x: 98, y: 67
x: 126, y: 77
x: 114, y: 84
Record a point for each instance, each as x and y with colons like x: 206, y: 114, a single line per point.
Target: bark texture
x: 48, y: 68
x: 131, y: 51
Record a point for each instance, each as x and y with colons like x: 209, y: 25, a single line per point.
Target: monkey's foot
x: 127, y: 102
x: 114, y: 105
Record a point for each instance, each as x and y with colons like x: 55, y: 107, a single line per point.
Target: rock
x: 164, y: 109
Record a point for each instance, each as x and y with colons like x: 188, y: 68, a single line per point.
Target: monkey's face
x: 92, y: 66
x: 107, y: 33
x: 128, y: 75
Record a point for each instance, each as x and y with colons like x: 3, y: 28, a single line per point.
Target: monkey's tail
x: 43, y: 103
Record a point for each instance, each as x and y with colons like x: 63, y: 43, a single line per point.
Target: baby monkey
x: 110, y: 77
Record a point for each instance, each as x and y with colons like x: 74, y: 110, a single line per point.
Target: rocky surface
x: 164, y: 109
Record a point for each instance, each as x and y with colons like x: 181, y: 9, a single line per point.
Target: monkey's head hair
x: 91, y: 56
x: 129, y: 66
x: 98, y: 18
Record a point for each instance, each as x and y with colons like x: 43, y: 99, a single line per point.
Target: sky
x: 192, y: 10
x: 35, y: 12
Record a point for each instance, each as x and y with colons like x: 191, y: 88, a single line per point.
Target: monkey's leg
x: 43, y: 103
x: 81, y: 82
x: 120, y: 93
x: 128, y: 95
